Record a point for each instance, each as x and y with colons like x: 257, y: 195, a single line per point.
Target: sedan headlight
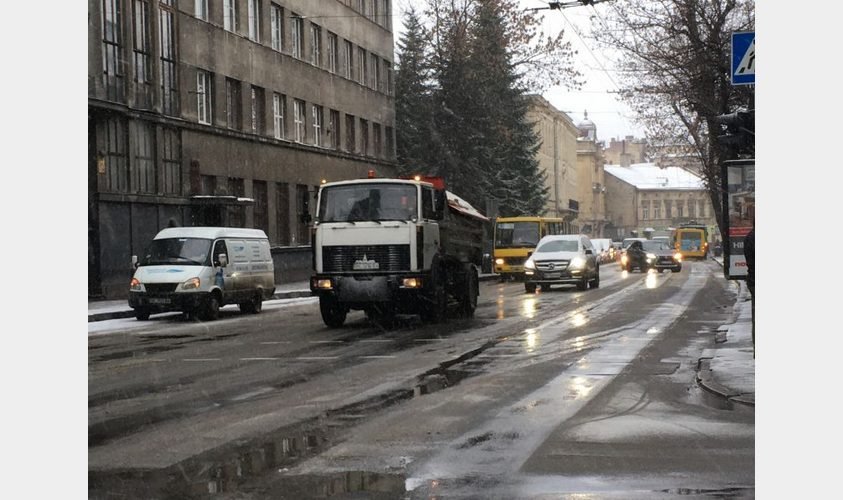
x: 577, y: 263
x: 677, y: 256
x: 529, y: 264
x: 651, y: 256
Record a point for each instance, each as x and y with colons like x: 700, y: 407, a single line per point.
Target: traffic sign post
x: 743, y: 58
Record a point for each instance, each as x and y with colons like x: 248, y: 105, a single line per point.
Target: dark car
x: 651, y: 254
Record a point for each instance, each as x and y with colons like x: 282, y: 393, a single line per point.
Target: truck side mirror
x: 134, y: 261
x: 222, y: 260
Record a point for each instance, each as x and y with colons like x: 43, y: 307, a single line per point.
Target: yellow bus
x: 516, y: 239
x: 691, y: 240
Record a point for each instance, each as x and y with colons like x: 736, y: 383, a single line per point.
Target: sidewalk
x: 727, y: 369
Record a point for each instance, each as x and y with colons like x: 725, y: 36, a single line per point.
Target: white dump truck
x: 395, y: 246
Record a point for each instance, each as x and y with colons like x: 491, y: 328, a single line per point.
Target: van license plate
x: 159, y: 301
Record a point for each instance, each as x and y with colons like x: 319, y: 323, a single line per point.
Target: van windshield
x: 192, y: 251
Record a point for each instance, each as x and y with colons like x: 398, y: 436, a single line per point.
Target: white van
x: 197, y: 270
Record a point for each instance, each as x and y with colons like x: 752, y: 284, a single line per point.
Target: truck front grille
x: 389, y: 257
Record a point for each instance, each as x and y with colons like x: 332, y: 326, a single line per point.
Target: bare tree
x: 674, y: 72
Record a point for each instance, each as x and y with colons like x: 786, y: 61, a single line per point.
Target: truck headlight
x: 529, y: 264
x: 191, y: 284
x: 324, y: 284
x: 136, y: 286
x: 577, y: 263
x: 411, y: 283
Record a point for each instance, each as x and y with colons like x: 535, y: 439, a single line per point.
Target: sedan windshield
x: 362, y: 202
x: 193, y: 251
x: 558, y: 246
x: 656, y: 245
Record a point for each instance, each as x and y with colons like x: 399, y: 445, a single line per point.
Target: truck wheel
x: 468, y: 301
x: 142, y: 313
x: 333, y: 314
x: 435, y: 308
x: 530, y: 287
x: 211, y: 310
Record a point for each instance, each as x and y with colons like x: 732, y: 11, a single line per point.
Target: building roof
x: 650, y: 176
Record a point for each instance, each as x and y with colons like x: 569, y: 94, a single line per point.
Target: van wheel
x: 211, y: 310
x: 253, y: 306
x: 333, y: 314
x: 142, y: 314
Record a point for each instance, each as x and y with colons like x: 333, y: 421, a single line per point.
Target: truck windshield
x: 362, y: 202
x: 516, y: 234
x: 191, y: 251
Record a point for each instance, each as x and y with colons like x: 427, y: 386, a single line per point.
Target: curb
x: 706, y: 380
x: 130, y: 313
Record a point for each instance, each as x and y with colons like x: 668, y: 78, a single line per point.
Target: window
x: 315, y: 45
x: 169, y: 86
x: 361, y: 66
x: 258, y: 110
x: 236, y: 213
x: 350, y: 138
x: 279, y: 111
x: 668, y: 209
x: 364, y: 136
x: 390, y: 83
x: 111, y: 141
x: 143, y: 157
x: 702, y: 208
x: 140, y: 38
x: 298, y: 119
x: 376, y: 139
x: 680, y: 205
x: 317, y: 125
x: 390, y: 143
x: 282, y: 212
x: 374, y: 71
x: 111, y: 61
x: 171, y: 161
x: 645, y: 210
x: 657, y: 209
x: 348, y: 60
x: 692, y: 205
x: 261, y: 215
x: 302, y: 213
x: 204, y: 97
x: 229, y: 15
x: 333, y: 47
x: 233, y: 104
x: 255, y: 20
x: 297, y: 35
x: 209, y: 184
x: 334, y: 129
x: 276, y: 26
x: 200, y: 9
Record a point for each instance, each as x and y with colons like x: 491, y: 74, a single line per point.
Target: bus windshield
x: 516, y: 234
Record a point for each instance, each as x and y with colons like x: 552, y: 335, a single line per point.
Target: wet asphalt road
x: 572, y: 387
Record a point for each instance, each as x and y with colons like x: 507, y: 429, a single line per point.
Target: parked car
x: 651, y: 254
x: 562, y: 259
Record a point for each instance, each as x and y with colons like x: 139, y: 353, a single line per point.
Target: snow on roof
x: 651, y: 176
x: 463, y: 206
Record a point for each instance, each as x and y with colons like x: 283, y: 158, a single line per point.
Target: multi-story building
x: 591, y: 188
x: 625, y: 151
x: 557, y: 156
x: 648, y: 199
x: 229, y: 112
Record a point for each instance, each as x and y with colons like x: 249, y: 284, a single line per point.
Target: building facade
x: 557, y: 156
x: 625, y: 151
x: 229, y: 112
x: 648, y: 199
x: 591, y: 188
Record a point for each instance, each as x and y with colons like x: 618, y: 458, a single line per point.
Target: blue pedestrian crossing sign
x: 743, y: 58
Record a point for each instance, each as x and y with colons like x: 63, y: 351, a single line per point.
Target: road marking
x: 202, y: 359
x: 377, y: 357
x: 428, y: 340
x: 259, y: 359
x: 316, y: 358
x: 376, y: 340
x: 326, y: 341
x: 277, y: 342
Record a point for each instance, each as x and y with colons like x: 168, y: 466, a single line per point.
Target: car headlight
x: 136, y: 286
x: 651, y: 256
x: 677, y: 256
x: 191, y: 284
x: 577, y: 263
x: 529, y: 264
x: 624, y: 259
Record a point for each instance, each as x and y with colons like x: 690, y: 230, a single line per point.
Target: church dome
x: 587, y: 128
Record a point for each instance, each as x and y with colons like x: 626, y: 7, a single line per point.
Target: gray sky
x: 612, y: 118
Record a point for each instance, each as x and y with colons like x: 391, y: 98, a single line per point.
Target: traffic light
x: 739, y: 131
